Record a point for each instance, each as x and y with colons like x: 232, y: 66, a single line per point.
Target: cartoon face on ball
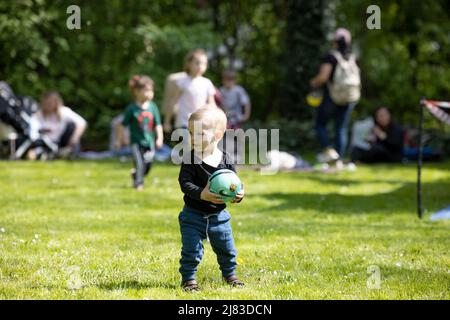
x: 226, y: 183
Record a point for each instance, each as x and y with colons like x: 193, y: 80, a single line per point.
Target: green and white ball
x: 226, y: 183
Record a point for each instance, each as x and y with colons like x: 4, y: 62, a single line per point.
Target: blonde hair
x: 191, y: 56
x: 210, y: 116
x: 55, y: 95
x: 52, y: 93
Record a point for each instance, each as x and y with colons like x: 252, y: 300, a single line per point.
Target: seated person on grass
x: 55, y: 129
x: 386, y: 142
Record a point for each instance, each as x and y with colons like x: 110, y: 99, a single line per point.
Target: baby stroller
x: 15, y: 115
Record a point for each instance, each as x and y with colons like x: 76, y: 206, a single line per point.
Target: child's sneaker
x: 234, y: 281
x: 328, y: 155
x: 190, y: 286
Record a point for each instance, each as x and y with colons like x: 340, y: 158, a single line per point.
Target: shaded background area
x: 275, y: 45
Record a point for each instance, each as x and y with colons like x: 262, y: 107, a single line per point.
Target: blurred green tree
x: 409, y: 57
x: 276, y: 45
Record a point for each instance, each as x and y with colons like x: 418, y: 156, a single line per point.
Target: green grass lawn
x: 76, y: 230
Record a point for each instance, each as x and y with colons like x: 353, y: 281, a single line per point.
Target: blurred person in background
x: 385, y: 142
x: 55, y: 129
x: 336, y: 85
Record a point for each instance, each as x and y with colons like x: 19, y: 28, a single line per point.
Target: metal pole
x: 12, y: 137
x: 419, y: 162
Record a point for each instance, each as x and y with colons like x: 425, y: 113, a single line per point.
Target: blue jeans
x: 341, y: 115
x: 195, y: 227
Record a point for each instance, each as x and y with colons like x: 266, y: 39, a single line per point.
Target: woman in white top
x: 56, y: 124
x: 191, y: 91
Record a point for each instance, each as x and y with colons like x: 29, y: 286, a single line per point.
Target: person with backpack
x: 339, y: 78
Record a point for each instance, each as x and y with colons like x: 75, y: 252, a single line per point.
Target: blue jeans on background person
x: 195, y: 227
x: 328, y: 110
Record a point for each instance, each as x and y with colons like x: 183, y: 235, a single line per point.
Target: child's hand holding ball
x: 239, y: 196
x: 207, y: 195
